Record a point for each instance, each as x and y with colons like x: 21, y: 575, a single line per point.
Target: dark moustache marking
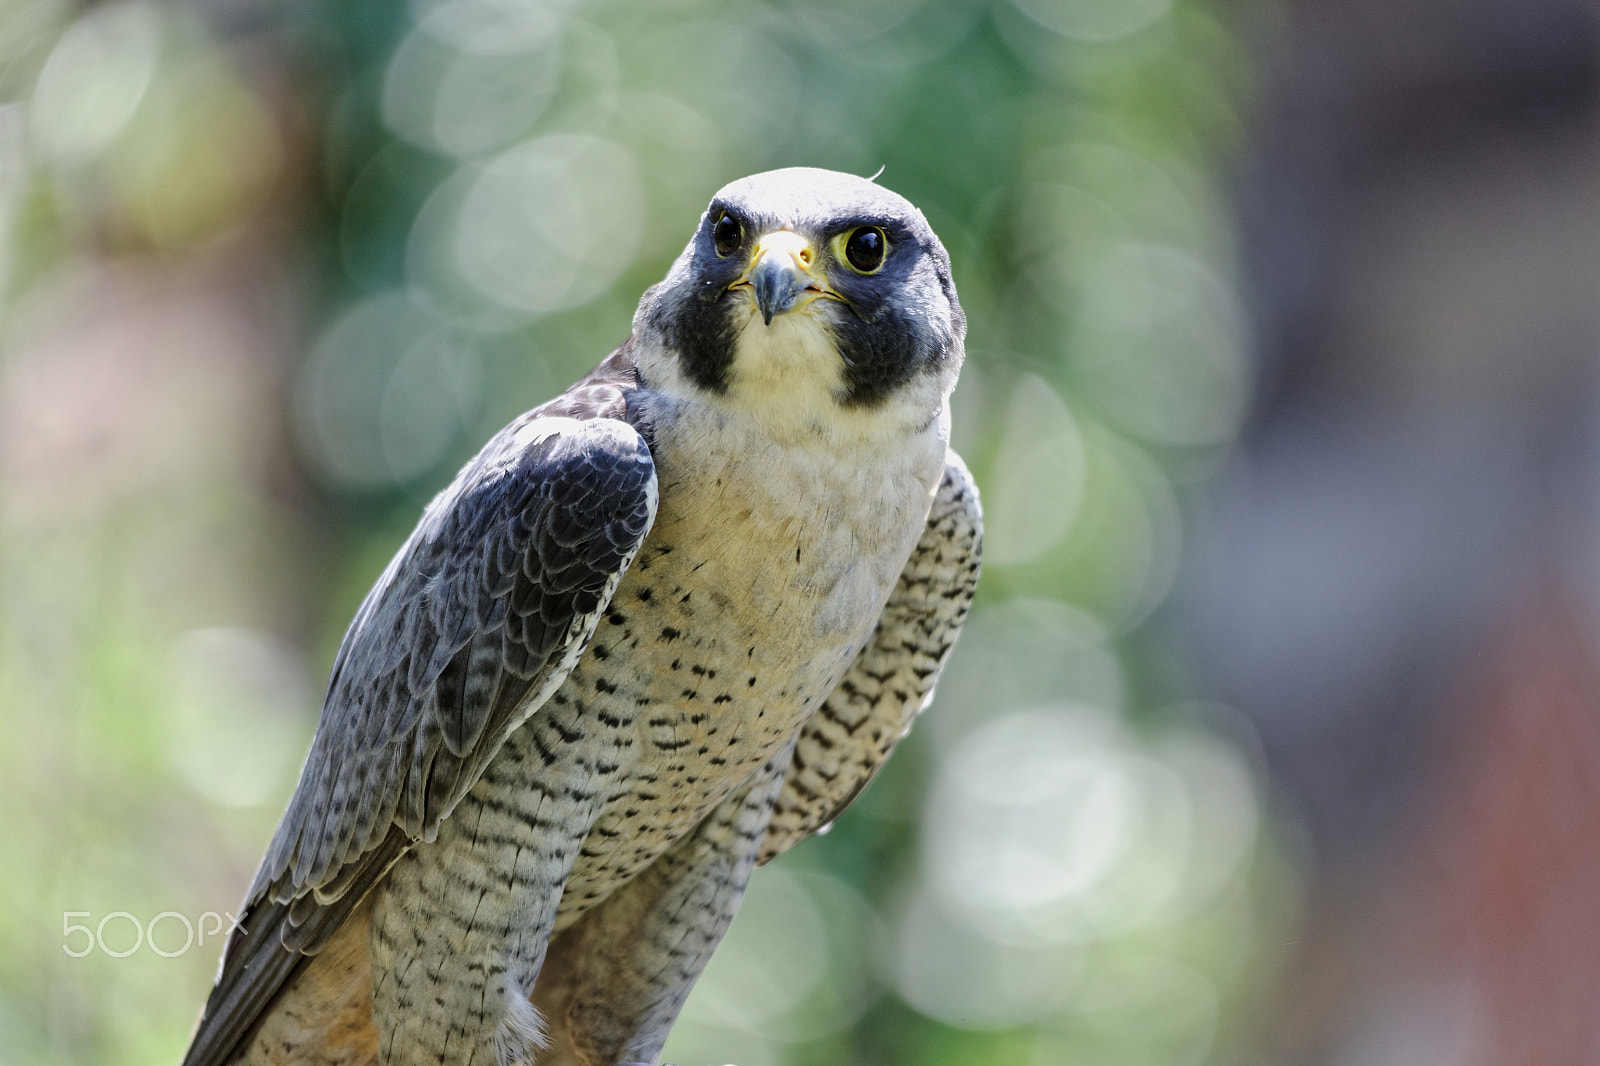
x: 702, y: 334
x: 896, y: 328
x: 696, y: 321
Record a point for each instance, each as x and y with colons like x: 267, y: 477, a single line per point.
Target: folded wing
x: 477, y: 620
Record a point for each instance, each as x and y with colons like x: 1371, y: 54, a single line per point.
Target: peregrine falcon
x: 658, y: 630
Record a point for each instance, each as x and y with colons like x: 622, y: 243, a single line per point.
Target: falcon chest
x: 764, y: 574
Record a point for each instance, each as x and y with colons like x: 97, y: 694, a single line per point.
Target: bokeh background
x: 1275, y: 735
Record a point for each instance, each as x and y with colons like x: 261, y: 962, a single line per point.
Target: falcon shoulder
x: 846, y: 741
x: 480, y: 616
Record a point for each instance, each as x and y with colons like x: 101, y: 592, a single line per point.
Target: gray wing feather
x: 482, y: 613
x: 846, y: 741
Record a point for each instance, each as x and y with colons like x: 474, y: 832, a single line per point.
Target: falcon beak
x: 781, y: 276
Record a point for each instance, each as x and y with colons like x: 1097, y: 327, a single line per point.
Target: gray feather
x: 479, y: 616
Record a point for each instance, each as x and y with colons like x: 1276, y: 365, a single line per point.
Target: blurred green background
x: 271, y: 272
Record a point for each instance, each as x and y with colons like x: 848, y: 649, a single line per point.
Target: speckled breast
x: 742, y: 610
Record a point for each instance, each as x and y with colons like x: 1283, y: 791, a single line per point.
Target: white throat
x: 788, y: 379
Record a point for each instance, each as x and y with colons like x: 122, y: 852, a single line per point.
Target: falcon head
x: 807, y: 293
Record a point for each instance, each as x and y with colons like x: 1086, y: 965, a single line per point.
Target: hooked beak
x: 780, y: 275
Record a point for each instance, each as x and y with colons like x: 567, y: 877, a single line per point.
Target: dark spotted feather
x: 873, y: 706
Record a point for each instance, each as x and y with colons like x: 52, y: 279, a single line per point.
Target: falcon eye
x: 727, y: 234
x: 864, y: 249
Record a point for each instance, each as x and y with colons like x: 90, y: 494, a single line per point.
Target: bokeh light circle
x: 384, y: 394
x: 1094, y: 20
x: 551, y: 223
